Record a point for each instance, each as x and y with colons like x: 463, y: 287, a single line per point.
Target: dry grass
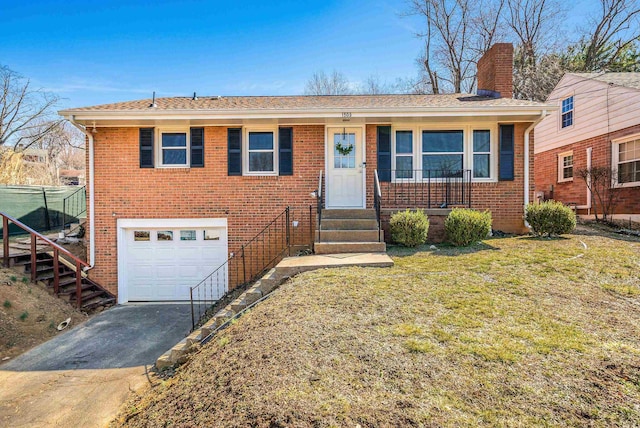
x: 512, y: 332
x: 29, y: 314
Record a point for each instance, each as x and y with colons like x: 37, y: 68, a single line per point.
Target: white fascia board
x: 295, y: 114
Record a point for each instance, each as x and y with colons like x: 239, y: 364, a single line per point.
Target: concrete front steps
x: 349, y: 231
x: 286, y: 269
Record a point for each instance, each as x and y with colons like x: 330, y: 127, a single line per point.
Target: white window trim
x: 467, y: 154
x: 493, y: 153
x: 615, y: 158
x: 561, y: 157
x: 158, y: 146
x: 245, y: 150
x: 573, y: 110
x: 412, y: 155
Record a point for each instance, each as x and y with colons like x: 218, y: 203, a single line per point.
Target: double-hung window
x: 442, y: 153
x: 565, y: 167
x: 261, y: 152
x: 481, y: 153
x: 567, y: 112
x: 173, y: 148
x: 404, y: 154
x: 628, y: 161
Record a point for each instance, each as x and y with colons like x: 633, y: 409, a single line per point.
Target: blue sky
x: 99, y: 52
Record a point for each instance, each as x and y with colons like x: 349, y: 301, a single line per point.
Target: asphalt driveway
x: 81, y: 377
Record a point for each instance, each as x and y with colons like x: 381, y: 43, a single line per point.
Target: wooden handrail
x: 39, y: 236
x: 57, y: 250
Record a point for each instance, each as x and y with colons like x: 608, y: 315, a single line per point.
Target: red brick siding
x: 576, y: 191
x: 505, y: 199
x: 123, y: 190
x: 249, y: 203
x: 495, y: 70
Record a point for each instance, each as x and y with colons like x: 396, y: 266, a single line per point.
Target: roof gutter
x: 92, y: 229
x: 329, y: 113
x: 527, y: 134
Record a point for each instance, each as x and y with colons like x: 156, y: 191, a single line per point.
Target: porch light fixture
x: 314, y: 194
x: 295, y: 223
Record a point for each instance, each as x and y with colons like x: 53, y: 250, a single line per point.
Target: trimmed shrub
x: 550, y: 218
x: 465, y: 226
x: 409, y: 228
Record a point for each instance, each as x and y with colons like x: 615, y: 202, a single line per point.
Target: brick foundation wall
x: 546, y: 164
x: 436, y: 224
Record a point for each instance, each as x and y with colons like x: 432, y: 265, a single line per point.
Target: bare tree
x: 26, y: 115
x: 601, y: 182
x: 536, y: 68
x: 536, y: 81
x: 532, y: 22
x: 615, y: 30
x: 373, y: 86
x: 457, y: 34
x: 321, y: 84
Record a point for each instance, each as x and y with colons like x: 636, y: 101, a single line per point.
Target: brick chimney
x: 495, y: 72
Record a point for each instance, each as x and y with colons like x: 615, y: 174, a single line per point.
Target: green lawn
x: 511, y: 332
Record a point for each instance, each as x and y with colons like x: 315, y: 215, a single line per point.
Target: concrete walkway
x: 82, y: 377
x: 337, y: 260
x: 621, y: 218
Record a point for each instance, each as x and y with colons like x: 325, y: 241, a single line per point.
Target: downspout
x: 92, y: 229
x: 527, y: 133
x: 588, y: 206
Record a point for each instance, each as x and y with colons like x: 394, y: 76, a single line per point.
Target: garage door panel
x: 165, y: 270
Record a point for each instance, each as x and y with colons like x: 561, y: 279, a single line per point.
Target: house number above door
x: 346, y: 115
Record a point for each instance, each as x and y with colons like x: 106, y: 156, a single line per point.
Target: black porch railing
x: 291, y: 229
x: 377, y: 201
x: 319, y: 202
x: 424, y: 188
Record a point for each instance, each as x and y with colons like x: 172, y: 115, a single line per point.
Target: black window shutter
x: 197, y: 147
x: 506, y: 160
x: 234, y: 162
x: 384, y: 153
x: 146, y: 147
x: 285, y: 151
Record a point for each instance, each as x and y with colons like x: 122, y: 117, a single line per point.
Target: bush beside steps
x: 464, y: 226
x: 409, y: 228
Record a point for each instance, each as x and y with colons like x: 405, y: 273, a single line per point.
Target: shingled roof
x: 627, y: 79
x: 313, y: 102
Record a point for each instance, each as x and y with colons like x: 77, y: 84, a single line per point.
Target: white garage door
x: 162, y: 263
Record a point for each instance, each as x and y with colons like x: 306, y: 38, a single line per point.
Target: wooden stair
x: 349, y: 231
x: 92, y: 294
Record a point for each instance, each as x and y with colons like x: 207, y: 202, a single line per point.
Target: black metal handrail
x: 74, y: 205
x: 377, y: 196
x: 320, y: 203
x: 255, y: 257
x: 427, y: 188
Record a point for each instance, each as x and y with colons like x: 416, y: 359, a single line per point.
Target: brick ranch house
x: 178, y: 184
x: 596, y: 124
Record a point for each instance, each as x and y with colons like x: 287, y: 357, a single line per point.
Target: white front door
x: 345, y: 168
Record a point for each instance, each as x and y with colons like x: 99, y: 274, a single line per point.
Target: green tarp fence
x: 40, y: 208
